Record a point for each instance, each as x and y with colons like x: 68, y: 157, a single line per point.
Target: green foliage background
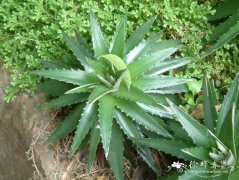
x: 222, y: 66
x: 31, y: 31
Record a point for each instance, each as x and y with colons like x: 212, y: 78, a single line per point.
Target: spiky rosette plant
x: 115, y: 89
x: 213, y: 145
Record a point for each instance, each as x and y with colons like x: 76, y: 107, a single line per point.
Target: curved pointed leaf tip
x: 98, y: 40
x: 119, y: 65
x: 117, y: 45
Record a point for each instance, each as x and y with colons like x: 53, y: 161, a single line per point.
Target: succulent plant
x: 118, y: 90
x: 215, y: 142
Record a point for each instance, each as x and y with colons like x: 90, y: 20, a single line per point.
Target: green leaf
x: 135, y: 94
x: 237, y: 127
x: 141, y: 117
x: 169, y: 90
x: 194, y: 86
x: 198, y: 133
x: 127, y: 125
x: 228, y: 132
x: 98, y: 40
x: 119, y: 80
x: 216, y: 157
x: 172, y: 175
x: 118, y: 42
x: 199, y: 153
x: 163, y: 98
x: 99, y: 92
x: 132, y: 131
x: 116, y: 152
x: 197, y: 172
x: 142, y: 48
x: 67, y: 126
x: 65, y: 100
x: 78, y: 52
x: 210, y: 113
x: 54, y: 87
x: 230, y: 34
x: 158, y: 110
x: 94, y: 141
x: 138, y: 35
x: 120, y: 65
x: 161, y: 122
x: 139, y: 66
x: 106, y: 110
x: 237, y: 104
x: 234, y: 174
x: 53, y: 65
x: 165, y: 44
x: 227, y: 103
x: 84, y: 143
x: 80, y: 89
x: 219, y: 144
x: 114, y: 60
x: 149, y: 83
x: 146, y: 155
x: 224, y: 176
x: 165, y: 66
x: 178, y: 130
x: 224, y: 9
x: 86, y: 122
x: 172, y: 147
x: 98, y: 67
x: 103, y: 80
x: 76, y: 77
x: 85, y: 48
x: 224, y: 27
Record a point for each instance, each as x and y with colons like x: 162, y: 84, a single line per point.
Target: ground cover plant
x: 115, y: 88
x: 212, y: 145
